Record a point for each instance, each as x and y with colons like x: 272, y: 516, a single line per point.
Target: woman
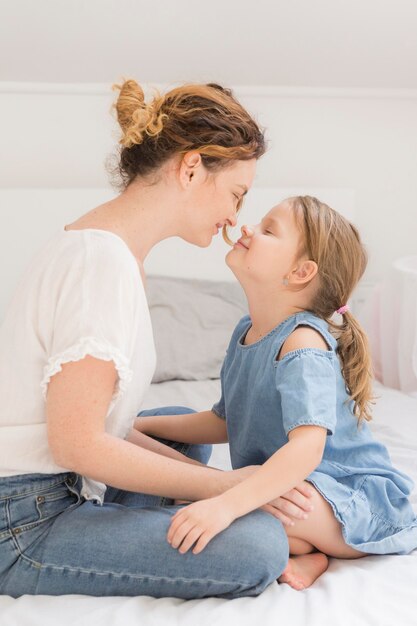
x: 76, y: 358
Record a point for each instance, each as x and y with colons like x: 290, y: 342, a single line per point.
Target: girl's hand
x: 199, y: 522
x: 293, y: 504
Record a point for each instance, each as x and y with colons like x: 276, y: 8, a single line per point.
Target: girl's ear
x: 305, y: 272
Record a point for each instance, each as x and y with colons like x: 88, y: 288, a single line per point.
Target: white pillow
x: 192, y: 321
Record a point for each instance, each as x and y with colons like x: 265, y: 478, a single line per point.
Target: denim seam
x: 355, y: 495
x: 311, y: 423
x: 328, y: 354
x: 272, y: 332
x: 377, y: 515
x: 34, y: 490
x: 32, y: 525
x: 9, y: 530
x: 135, y: 576
x: 56, y: 495
x: 223, y: 417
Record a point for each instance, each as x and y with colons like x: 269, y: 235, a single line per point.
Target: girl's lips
x: 240, y: 244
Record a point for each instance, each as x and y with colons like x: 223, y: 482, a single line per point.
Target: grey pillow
x: 192, y: 321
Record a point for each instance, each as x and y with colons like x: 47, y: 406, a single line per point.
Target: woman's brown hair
x: 202, y: 117
x: 335, y: 245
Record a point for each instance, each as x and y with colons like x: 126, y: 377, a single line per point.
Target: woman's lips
x: 240, y: 245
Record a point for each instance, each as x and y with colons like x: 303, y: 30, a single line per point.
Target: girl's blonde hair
x: 202, y: 117
x: 335, y: 245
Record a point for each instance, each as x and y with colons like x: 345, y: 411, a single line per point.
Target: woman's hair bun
x: 135, y: 117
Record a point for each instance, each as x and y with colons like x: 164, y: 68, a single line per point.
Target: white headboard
x: 29, y: 217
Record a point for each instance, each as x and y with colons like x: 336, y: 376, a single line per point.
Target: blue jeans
x: 54, y: 542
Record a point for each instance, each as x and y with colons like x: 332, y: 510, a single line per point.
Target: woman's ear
x: 305, y: 272
x: 189, y: 165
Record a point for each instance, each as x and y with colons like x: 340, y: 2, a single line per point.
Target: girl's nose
x: 246, y: 230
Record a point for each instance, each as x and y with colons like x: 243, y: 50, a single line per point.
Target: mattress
x: 371, y: 591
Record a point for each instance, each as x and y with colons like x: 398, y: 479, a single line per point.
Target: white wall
x: 364, y: 141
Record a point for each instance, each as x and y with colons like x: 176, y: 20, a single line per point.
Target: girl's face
x: 212, y: 199
x: 265, y: 253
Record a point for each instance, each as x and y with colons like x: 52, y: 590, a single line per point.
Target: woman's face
x: 212, y: 199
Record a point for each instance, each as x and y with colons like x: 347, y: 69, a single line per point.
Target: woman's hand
x: 198, y: 523
x: 293, y: 504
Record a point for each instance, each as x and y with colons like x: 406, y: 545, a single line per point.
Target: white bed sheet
x: 371, y: 591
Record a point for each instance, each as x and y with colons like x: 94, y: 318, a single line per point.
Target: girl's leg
x: 311, y: 541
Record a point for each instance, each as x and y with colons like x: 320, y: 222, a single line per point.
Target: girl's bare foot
x: 302, y: 570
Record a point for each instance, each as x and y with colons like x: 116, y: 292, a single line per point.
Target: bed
x: 372, y: 591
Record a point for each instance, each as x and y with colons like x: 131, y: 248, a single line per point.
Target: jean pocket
x: 33, y: 508
x: 56, y: 500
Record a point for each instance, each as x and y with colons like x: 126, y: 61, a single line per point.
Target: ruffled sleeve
x: 99, y: 349
x: 306, y: 382
x: 95, y: 298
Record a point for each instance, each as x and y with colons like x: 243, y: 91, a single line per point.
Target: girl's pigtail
x: 356, y: 364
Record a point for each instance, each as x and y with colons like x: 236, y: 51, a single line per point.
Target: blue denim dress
x: 263, y: 399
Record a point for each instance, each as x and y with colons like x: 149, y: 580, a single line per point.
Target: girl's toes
x: 292, y: 580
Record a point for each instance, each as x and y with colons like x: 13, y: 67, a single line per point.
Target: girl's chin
x: 230, y: 263
x: 234, y: 252
x: 227, y: 257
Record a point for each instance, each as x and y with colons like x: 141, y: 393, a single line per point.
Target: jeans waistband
x: 21, y: 484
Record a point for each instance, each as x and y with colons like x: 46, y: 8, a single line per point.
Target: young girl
x: 295, y: 400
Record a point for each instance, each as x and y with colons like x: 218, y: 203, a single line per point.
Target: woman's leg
x: 311, y: 541
x: 53, y: 542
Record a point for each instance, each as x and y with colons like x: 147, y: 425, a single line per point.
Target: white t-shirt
x: 82, y: 294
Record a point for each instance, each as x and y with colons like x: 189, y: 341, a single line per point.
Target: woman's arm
x: 77, y: 402
x: 203, y: 427
x: 139, y: 439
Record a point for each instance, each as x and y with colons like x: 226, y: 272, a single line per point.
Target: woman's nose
x: 232, y: 220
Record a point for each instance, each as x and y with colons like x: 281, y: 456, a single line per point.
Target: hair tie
x: 343, y: 309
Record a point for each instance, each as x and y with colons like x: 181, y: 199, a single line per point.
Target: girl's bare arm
x: 281, y: 472
x: 203, y: 427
